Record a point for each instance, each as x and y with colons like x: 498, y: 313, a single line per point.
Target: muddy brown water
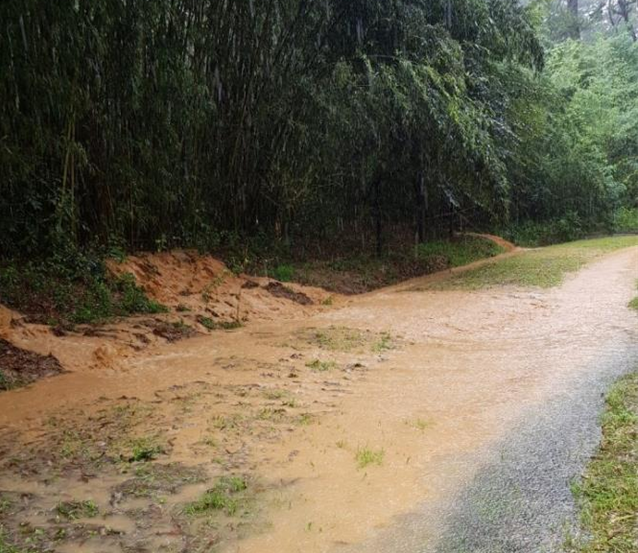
x: 433, y: 380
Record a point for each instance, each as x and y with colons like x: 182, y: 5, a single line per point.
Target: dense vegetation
x: 173, y: 122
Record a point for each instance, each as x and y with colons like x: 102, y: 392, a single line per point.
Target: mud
x: 278, y: 290
x: 425, y: 383
x: 19, y: 367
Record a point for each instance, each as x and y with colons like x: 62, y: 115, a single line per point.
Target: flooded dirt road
x: 402, y: 420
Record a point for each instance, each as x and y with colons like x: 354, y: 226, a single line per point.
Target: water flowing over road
x: 484, y: 409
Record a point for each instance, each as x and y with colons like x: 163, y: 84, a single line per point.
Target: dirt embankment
x: 202, y: 296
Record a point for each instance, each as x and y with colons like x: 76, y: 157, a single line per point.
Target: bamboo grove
x: 178, y: 122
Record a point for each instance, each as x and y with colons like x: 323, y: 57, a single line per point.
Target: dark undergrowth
x: 570, y: 227
x: 364, y: 272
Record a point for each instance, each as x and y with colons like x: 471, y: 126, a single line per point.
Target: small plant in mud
x: 211, y: 324
x: 144, y: 449
x: 305, y: 419
x: 633, y: 304
x: 383, y: 344
x: 339, y: 338
x: 213, y: 285
x: 276, y: 394
x: 226, y: 496
x: 207, y: 323
x: 420, y: 424
x: 73, y: 510
x: 366, y: 456
x: 321, y: 366
x: 229, y: 422
x: 230, y: 325
x: 268, y: 414
x: 328, y: 301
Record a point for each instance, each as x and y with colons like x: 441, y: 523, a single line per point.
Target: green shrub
x: 626, y: 220
x: 531, y: 234
x: 75, y: 290
x: 133, y: 299
x: 283, y: 273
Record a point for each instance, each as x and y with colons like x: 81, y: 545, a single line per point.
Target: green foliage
x: 366, y: 456
x: 6, y: 547
x: 226, y: 496
x: 568, y: 228
x: 311, y: 123
x: 283, y: 273
x: 132, y: 298
x: 144, y: 449
x: 74, y: 289
x: 626, y: 220
x: 224, y: 127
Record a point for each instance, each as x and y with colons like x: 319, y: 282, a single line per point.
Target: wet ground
x: 398, y: 421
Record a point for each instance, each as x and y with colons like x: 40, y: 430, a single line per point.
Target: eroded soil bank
x: 314, y: 434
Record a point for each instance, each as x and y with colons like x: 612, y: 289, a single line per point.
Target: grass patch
x: 384, y: 343
x: 321, y: 366
x: 334, y: 338
x: 144, y: 449
x: 608, y: 492
x: 73, y: 510
x: 366, y: 456
x: 227, y: 496
x: 543, y: 268
x: 6, y: 547
x: 210, y: 324
x: 154, y: 479
x: 461, y: 251
x: 5, y: 505
x: 633, y: 304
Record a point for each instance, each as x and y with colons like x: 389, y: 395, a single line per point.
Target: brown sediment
x: 19, y: 367
x: 278, y: 290
x: 424, y: 380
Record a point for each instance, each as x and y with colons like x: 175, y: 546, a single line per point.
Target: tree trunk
x: 377, y: 217
x: 421, y: 206
x: 623, y: 11
x: 574, y: 19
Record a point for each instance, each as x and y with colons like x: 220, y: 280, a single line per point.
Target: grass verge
x: 608, y: 492
x: 544, y: 267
